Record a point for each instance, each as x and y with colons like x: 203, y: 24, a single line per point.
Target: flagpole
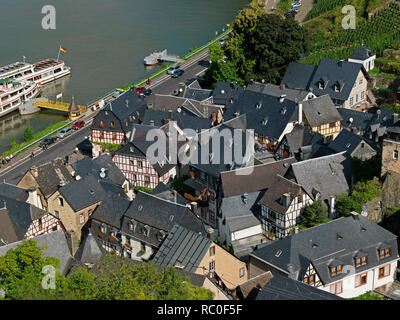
x: 59, y: 49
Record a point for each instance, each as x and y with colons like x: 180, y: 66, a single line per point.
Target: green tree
x: 314, y: 215
x: 28, y: 133
x: 345, y: 204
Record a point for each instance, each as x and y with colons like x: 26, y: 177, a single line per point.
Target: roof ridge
x: 168, y: 201
x: 309, y: 160
x: 259, y: 165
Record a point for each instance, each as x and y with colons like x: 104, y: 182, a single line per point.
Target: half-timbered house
x: 20, y: 220
x: 347, y: 256
x: 281, y: 206
x: 113, y: 123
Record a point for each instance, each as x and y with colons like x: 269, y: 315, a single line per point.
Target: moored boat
x: 13, y: 93
x: 41, y: 72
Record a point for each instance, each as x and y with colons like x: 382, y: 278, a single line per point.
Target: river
x: 106, y: 41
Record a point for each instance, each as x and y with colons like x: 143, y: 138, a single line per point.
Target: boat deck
x: 12, y: 67
x: 47, y: 63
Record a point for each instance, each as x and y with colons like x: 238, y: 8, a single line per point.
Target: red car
x: 139, y: 89
x: 78, y: 125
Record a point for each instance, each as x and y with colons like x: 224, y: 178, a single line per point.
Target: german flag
x: 63, y: 50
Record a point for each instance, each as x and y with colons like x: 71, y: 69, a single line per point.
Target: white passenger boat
x: 41, y: 72
x: 13, y: 93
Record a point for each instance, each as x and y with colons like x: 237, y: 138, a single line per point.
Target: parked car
x: 147, y: 92
x: 47, y: 141
x: 139, y: 89
x: 64, y: 132
x: 79, y: 124
x: 294, y: 10
x: 177, y: 73
x: 296, y: 5
x: 171, y: 70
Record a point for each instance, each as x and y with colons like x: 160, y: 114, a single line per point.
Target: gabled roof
x: 284, y: 288
x: 224, y: 91
x: 346, y: 141
x: 183, y: 248
x: 164, y: 192
x: 298, y: 75
x: 280, y: 186
x: 266, y: 114
x: 89, y: 166
x: 12, y: 191
x: 330, y: 175
x: 56, y: 246
x: 125, y: 105
x: 111, y: 210
x: 83, y: 193
x: 276, y: 91
x: 253, y: 179
x: 161, y: 214
x: 15, y: 218
x: 301, y: 136
x: 197, y: 94
x: 320, y: 110
x: 340, y: 239
x: 51, y: 175
x: 250, y: 288
x: 333, y: 71
x: 362, y: 53
x: 240, y: 211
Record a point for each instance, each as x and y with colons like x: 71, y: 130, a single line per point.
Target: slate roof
x: 183, y: 121
x: 362, y: 53
x: 197, y: 94
x: 224, y: 91
x: 301, y: 136
x: 89, y: 251
x: 340, y: 239
x: 15, y: 218
x: 51, y: 175
x: 158, y: 214
x: 119, y: 106
x: 346, y: 141
x: 111, y: 210
x: 89, y: 166
x: 251, y: 287
x: 83, y: 193
x: 298, y: 75
x: 12, y: 191
x: 219, y: 154
x: 164, y: 192
x: 270, y: 119
x: 239, y: 214
x: 320, y: 110
x: 330, y: 175
x: 57, y: 247
x: 187, y: 106
x: 280, y: 186
x: 332, y: 70
x: 253, y: 179
x: 277, y: 91
x: 284, y: 288
x: 182, y: 247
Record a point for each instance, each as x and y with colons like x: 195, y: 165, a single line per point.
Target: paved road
x: 162, y: 85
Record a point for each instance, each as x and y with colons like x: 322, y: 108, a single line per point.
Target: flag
x: 62, y: 49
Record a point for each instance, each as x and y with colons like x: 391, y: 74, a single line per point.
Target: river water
x: 106, y: 41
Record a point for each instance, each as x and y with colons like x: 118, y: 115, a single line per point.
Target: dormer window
x: 146, y: 230
x: 161, y: 235
x: 336, y: 87
x: 101, y: 125
x: 321, y: 84
x: 383, y: 253
x: 336, y: 269
x: 132, y: 225
x: 361, y: 261
x: 112, y: 125
x: 103, y: 228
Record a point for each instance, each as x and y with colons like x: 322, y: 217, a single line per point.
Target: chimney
x: 283, y: 86
x: 282, y: 98
x: 152, y: 123
x: 286, y: 200
x: 35, y: 172
x: 395, y: 117
x: 72, y: 240
x: 210, y: 234
x: 175, y: 195
x: 32, y: 197
x: 300, y: 105
x: 332, y: 206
